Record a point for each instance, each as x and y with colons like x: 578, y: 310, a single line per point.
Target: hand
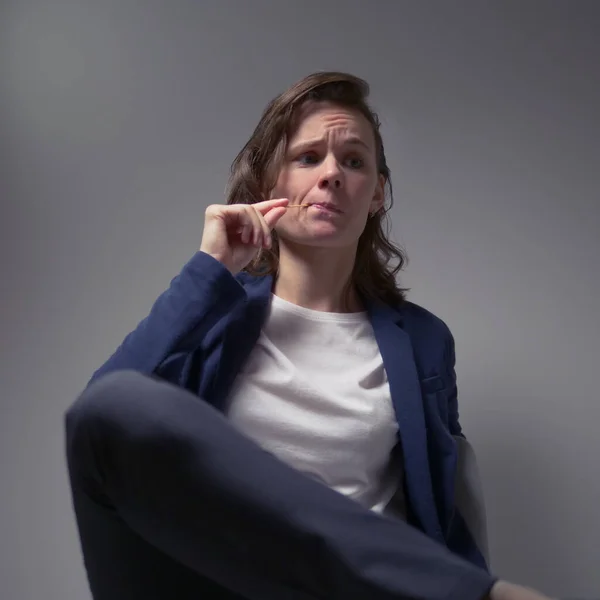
x: 503, y: 590
x: 234, y: 233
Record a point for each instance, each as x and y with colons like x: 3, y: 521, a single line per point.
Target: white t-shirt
x: 314, y: 393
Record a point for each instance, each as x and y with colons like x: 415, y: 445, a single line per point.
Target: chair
x: 469, y: 497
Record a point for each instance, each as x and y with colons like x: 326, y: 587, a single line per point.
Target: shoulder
x: 431, y: 339
x: 422, y: 322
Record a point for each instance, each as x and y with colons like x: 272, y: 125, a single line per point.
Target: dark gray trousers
x: 172, y: 503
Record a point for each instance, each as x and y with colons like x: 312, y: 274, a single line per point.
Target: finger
x: 265, y: 206
x: 244, y: 223
x: 273, y: 216
x: 253, y: 222
x: 265, y: 230
x: 246, y: 231
x: 257, y: 233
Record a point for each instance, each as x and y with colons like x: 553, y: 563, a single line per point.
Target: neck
x: 317, y: 278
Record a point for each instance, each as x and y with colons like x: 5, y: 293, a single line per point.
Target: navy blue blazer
x: 203, y: 327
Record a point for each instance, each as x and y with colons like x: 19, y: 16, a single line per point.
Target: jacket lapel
x: 241, y: 334
x: 397, y: 353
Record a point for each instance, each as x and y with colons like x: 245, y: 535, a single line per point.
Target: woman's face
x: 330, y: 167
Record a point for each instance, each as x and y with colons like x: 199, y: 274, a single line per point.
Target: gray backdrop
x: 118, y: 122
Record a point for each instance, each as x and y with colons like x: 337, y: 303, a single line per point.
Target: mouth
x: 326, y: 206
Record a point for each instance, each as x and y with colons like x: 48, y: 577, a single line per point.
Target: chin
x: 323, y: 239
x: 321, y: 234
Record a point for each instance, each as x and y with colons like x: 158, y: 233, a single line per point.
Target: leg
x: 123, y: 566
x: 174, y: 475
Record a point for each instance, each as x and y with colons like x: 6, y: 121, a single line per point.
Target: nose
x: 331, y: 177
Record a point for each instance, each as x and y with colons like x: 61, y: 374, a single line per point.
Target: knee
x: 102, y: 406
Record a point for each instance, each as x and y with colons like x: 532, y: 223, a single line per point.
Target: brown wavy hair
x: 255, y: 170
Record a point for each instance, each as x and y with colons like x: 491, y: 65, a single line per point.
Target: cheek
x: 363, y: 190
x: 296, y: 183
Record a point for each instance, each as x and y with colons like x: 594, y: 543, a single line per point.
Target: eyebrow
x: 351, y: 141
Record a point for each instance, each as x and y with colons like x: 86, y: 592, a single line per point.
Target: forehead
x: 318, y: 119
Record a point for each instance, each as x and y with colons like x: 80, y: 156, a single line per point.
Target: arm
x: 202, y: 293
x: 450, y: 376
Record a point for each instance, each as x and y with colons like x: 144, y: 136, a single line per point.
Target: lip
x: 326, y: 206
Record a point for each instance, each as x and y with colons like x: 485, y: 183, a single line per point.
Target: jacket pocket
x: 435, y: 398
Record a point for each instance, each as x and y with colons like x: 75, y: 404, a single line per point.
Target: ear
x: 378, y: 195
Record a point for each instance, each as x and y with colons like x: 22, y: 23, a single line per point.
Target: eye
x: 355, y: 162
x: 308, y: 158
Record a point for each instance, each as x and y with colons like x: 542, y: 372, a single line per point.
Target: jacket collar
x: 258, y: 290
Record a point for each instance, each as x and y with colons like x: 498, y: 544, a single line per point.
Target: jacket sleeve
x: 450, y: 375
x: 202, y: 293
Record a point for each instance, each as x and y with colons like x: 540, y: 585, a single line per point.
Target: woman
x: 281, y: 424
